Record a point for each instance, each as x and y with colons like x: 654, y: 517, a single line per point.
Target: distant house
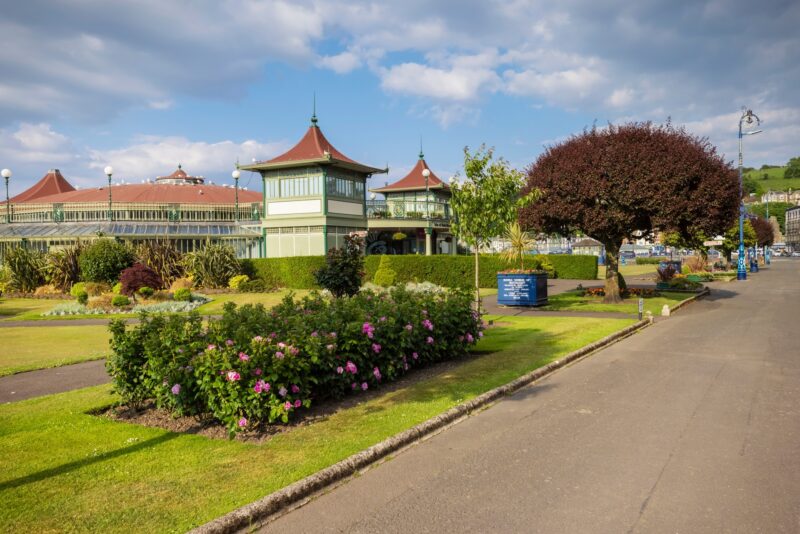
x: 588, y: 247
x: 793, y: 228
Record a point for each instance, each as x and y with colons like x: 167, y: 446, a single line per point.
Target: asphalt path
x: 692, y: 425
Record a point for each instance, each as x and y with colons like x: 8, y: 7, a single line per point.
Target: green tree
x: 103, y: 260
x: 792, y: 168
x: 776, y: 209
x: 731, y: 241
x: 751, y: 187
x: 693, y: 241
x: 487, y: 202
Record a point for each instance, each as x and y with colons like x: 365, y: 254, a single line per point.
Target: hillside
x: 775, y: 180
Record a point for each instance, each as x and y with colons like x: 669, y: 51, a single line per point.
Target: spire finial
x: 421, y: 155
x: 314, y: 111
x: 179, y: 166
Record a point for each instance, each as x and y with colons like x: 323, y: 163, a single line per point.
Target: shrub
x: 117, y: 289
x: 183, y: 293
x: 695, y: 264
x: 62, y: 268
x: 681, y: 282
x: 237, y: 281
x: 27, y: 268
x: 666, y: 273
x: 48, y: 289
x: 293, y: 272
x: 650, y: 260
x: 5, y: 279
x: 83, y: 297
x: 213, y: 265
x: 137, y: 277
x: 172, y: 306
x: 96, y: 288
x: 120, y: 301
x: 146, y: 291
x: 316, y: 349
x: 181, y: 283
x: 103, y: 260
x: 77, y: 288
x: 163, y: 258
x: 344, y: 268
x: 385, y: 276
x: 254, y: 286
x: 103, y: 302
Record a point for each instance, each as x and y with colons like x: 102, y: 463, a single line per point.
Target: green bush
x: 655, y: 260
x: 62, y: 268
x: 117, y: 289
x: 95, y: 289
x: 344, y: 268
x: 27, y: 268
x: 213, y: 265
x: 236, y: 281
x: 385, y: 276
x: 182, y: 294
x: 118, y: 301
x: 623, y: 286
x: 146, y: 291
x: 77, y: 288
x: 103, y: 260
x: 292, y: 273
x: 254, y: 286
x: 82, y: 296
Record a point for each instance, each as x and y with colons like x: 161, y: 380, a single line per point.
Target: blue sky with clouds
x: 143, y: 85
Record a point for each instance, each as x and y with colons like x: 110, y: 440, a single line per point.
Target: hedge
x: 654, y: 260
x: 443, y: 270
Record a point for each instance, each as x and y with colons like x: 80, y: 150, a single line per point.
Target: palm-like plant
x: 519, y: 245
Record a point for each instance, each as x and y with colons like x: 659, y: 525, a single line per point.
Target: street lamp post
x: 109, y: 170
x: 766, y: 249
x: 426, y: 173
x: 748, y: 117
x: 236, y: 175
x: 6, y: 173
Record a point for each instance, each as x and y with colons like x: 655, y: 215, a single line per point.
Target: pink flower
x: 424, y: 312
x: 429, y: 341
x: 279, y: 355
x: 333, y: 335
x: 409, y: 327
x: 211, y: 347
x: 233, y: 376
x: 351, y: 367
x: 283, y: 391
x: 480, y: 334
x: 298, y: 403
x: 470, y: 339
x: 242, y: 422
x: 295, y: 388
x: 339, y: 370
x: 281, y: 345
x: 257, y: 372
x: 382, y: 319
x: 229, y: 342
x: 354, y: 386
x: 330, y: 347
x: 368, y: 329
x: 261, y: 386
x: 415, y: 356
x: 377, y: 373
x: 427, y: 324
x: 176, y: 389
x: 287, y: 406
x: 364, y: 386
x: 244, y: 357
x: 258, y: 339
x: 294, y: 351
x: 376, y: 348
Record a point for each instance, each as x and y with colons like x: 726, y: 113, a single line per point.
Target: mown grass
x: 13, y: 309
x: 267, y: 299
x: 28, y: 348
x: 573, y: 301
x: 775, y: 180
x: 66, y: 470
x: 631, y: 270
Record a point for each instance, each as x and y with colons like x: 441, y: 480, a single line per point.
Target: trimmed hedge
x: 653, y: 260
x: 443, y: 270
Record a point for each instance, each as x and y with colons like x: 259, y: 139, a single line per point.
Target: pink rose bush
x: 256, y: 366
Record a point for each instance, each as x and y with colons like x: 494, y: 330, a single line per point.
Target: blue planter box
x: 521, y: 289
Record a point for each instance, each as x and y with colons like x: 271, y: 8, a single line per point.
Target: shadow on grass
x: 72, y: 466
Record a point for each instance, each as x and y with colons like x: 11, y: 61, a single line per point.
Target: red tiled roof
x: 414, y: 181
x: 155, y: 193
x: 51, y: 183
x: 313, y: 145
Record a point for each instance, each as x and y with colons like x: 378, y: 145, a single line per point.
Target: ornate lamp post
x: 236, y: 175
x: 748, y: 117
x: 109, y: 170
x: 6, y: 173
x: 426, y: 173
x: 766, y: 249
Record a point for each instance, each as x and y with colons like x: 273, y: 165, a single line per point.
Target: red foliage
x: 765, y: 234
x: 139, y: 276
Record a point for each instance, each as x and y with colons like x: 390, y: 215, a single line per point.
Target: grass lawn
x: 775, y: 180
x: 21, y: 309
x: 66, y: 470
x: 572, y: 301
x: 630, y: 271
x: 267, y: 299
x: 27, y: 348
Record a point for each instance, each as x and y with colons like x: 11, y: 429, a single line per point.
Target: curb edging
x: 259, y: 512
x: 705, y: 292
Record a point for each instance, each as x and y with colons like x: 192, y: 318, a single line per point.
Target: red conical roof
x: 414, y: 181
x: 51, y: 183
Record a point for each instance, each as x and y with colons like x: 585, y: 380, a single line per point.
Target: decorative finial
x: 179, y: 166
x: 237, y: 162
x: 421, y: 155
x: 314, y: 112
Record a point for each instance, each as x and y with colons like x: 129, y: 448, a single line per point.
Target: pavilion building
x: 414, y: 215
x: 314, y: 196
x: 179, y: 208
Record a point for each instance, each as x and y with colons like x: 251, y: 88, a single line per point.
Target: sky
x: 144, y: 85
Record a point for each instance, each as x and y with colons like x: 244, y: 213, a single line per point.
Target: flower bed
x: 256, y: 366
x: 74, y: 308
x: 627, y: 292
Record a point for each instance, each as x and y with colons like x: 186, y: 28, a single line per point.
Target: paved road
x: 23, y: 386
x: 692, y: 425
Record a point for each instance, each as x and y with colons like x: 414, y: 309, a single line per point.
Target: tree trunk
x: 477, y: 282
x: 612, y: 270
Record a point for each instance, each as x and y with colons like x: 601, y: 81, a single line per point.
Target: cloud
x: 341, y: 63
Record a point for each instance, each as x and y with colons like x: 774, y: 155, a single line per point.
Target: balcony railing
x: 409, y: 210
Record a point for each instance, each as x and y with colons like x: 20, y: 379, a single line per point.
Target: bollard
x: 665, y: 311
x: 641, y: 307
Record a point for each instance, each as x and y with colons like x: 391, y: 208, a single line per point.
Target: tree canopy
x: 617, y: 182
x: 765, y: 234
